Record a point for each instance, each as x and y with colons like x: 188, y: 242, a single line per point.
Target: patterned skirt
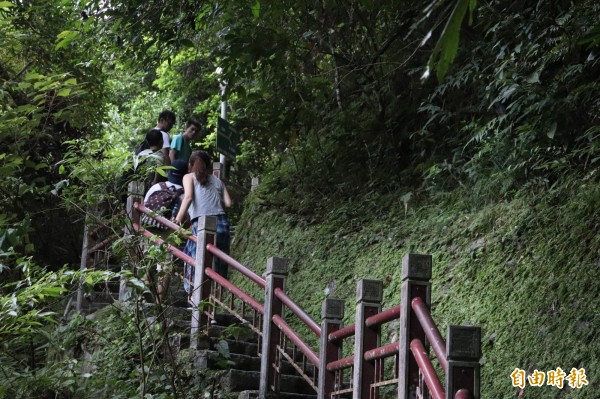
x: 222, y: 238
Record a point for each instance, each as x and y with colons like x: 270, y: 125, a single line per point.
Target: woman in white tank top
x: 204, y: 195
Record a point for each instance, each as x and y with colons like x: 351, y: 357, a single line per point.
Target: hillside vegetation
x: 524, y: 268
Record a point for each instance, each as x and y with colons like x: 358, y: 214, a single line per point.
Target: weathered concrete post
x: 255, y: 183
x: 332, y: 314
x: 369, y: 294
x: 275, y: 278
x: 463, y: 351
x: 135, y: 191
x: 207, y: 227
x: 416, y: 273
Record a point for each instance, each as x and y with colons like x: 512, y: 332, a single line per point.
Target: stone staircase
x: 229, y: 345
x: 241, y: 354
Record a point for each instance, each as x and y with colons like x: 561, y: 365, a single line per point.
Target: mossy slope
x: 525, y: 270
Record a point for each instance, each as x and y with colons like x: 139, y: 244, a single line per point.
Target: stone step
x: 214, y: 359
x: 209, y: 358
x: 238, y: 347
x: 240, y: 380
x: 179, y: 341
x: 235, y: 331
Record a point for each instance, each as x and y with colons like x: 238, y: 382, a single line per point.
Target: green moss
x: 524, y: 270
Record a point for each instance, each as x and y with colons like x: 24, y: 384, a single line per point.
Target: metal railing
x: 403, y: 363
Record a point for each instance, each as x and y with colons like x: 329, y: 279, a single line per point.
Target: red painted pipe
x: 383, y: 317
x: 293, y: 336
x: 235, y: 290
x: 184, y: 233
x: 209, y: 272
x: 175, y: 251
x: 342, y: 333
x: 341, y: 364
x: 462, y: 394
x: 383, y: 351
x: 375, y: 320
x: 431, y: 378
x: 291, y: 305
x: 431, y: 331
x: 236, y: 265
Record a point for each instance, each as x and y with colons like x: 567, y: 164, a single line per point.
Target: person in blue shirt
x: 181, y: 145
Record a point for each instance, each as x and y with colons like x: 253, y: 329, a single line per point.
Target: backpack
x: 162, y: 202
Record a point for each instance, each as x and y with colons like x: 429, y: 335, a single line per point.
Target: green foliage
x: 30, y: 328
x: 446, y: 47
x: 513, y: 111
x: 47, y: 96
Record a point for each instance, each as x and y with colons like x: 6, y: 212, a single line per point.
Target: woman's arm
x: 188, y: 196
x: 227, y: 201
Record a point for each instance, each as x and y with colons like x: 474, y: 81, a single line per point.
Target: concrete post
x: 135, y: 191
x: 332, y: 314
x: 207, y: 227
x: 416, y: 273
x: 369, y: 294
x: 463, y: 351
x: 255, y: 183
x: 275, y: 278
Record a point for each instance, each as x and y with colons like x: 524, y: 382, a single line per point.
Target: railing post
x: 463, y: 350
x: 135, y: 191
x: 207, y: 226
x: 369, y: 294
x: 332, y: 314
x: 416, y: 273
x: 275, y: 278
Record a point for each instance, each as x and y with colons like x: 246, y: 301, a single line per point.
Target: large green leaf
x: 446, y: 47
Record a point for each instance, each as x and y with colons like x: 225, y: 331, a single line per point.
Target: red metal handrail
x: 383, y: 351
x: 375, y: 320
x: 419, y: 307
x: 342, y: 333
x: 291, y: 305
x: 291, y: 334
x: 236, y: 265
x: 383, y: 317
x: 184, y: 233
x: 431, y: 331
x: 431, y: 378
x: 209, y: 272
x: 341, y: 364
x: 174, y: 250
x: 235, y: 290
